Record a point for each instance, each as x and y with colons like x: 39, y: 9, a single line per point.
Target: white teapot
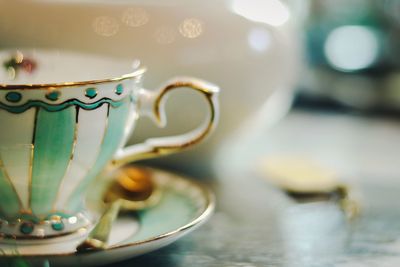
x: 250, y: 48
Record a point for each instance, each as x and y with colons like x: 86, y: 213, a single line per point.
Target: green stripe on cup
x: 9, y: 201
x: 53, y: 144
x: 112, y: 139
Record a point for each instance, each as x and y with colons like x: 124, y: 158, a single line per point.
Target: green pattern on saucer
x: 184, y: 211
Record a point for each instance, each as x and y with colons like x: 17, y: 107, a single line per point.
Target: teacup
x: 60, y: 128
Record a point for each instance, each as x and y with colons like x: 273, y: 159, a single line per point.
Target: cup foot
x: 30, y: 228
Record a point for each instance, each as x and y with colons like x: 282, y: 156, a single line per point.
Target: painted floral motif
x: 17, y: 63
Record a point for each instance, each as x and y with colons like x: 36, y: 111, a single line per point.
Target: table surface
x: 258, y: 225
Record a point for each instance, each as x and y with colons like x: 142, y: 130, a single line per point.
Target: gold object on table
x: 307, y: 181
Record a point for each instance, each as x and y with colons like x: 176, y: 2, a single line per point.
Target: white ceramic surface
x: 55, y: 66
x: 250, y: 48
x: 184, y: 206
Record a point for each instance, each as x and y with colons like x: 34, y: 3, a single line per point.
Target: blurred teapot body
x: 249, y: 48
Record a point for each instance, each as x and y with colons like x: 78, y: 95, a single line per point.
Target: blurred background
x: 311, y: 81
x: 352, y: 50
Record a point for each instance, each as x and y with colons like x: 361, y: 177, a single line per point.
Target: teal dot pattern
x: 120, y: 89
x: 13, y: 97
x: 57, y: 225
x: 53, y: 95
x: 91, y: 93
x: 27, y: 228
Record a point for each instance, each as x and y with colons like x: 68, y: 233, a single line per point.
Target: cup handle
x: 152, y: 104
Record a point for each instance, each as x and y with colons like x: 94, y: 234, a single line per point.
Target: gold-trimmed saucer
x: 184, y: 206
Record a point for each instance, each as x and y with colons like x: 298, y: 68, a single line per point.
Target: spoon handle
x: 98, y: 237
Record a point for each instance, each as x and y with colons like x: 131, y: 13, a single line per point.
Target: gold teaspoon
x: 132, y: 190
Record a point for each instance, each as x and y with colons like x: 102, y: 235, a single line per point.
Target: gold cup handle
x: 152, y: 104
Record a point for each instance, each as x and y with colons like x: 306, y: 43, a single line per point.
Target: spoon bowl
x: 132, y: 190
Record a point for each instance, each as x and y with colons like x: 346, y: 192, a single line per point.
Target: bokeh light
x: 191, y: 28
x: 165, y: 35
x: 105, y: 26
x: 259, y: 39
x: 135, y: 17
x: 351, y: 48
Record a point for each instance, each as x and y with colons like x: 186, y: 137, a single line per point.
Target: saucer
x: 184, y: 206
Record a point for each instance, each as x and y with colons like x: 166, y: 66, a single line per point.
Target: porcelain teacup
x: 63, y: 120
